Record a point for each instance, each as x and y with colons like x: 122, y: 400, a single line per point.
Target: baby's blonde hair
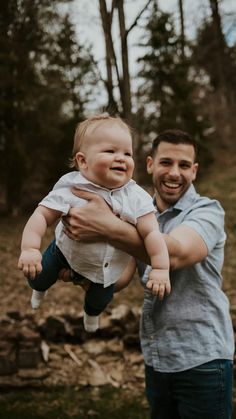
x: 82, y: 128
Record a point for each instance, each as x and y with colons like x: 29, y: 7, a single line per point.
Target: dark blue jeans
x: 204, y: 392
x: 96, y: 298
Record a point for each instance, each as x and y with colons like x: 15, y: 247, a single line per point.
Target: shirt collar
x: 81, y: 180
x: 185, y: 200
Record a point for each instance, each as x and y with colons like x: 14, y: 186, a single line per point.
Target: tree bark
x: 106, y: 18
x: 181, y: 11
x: 219, y: 46
x: 126, y: 91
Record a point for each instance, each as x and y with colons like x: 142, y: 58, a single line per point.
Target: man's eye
x: 165, y: 163
x: 185, y: 166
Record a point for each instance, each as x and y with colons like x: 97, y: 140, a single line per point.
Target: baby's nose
x: 119, y: 157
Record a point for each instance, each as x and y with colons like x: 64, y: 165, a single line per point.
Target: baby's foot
x: 91, y: 323
x: 37, y: 297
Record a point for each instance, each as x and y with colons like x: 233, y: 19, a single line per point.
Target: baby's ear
x: 81, y: 160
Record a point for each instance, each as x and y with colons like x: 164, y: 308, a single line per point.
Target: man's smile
x: 171, y: 185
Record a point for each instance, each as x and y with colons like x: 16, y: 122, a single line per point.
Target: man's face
x: 173, y: 170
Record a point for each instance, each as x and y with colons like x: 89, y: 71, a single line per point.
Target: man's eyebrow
x: 180, y: 161
x: 186, y: 161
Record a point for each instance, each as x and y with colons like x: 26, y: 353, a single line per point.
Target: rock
x: 56, y: 329
x: 96, y: 376
x: 37, y: 374
x: 29, y: 355
x: 122, y: 314
x: 8, y: 362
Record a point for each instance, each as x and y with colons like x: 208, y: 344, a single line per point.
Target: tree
x: 168, y: 95
x: 215, y: 60
x: 40, y: 78
x: 166, y: 81
x: 181, y: 12
x: 214, y: 55
x: 116, y: 78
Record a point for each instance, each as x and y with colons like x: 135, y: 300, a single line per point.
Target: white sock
x: 91, y: 323
x: 37, y: 297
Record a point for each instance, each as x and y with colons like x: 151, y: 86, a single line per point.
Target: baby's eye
x: 109, y: 151
x: 128, y: 154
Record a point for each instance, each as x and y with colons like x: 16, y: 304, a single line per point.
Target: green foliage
x: 42, y: 93
x: 168, y: 96
x: 219, y: 65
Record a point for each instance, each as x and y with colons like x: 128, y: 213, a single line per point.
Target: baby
x: 102, y: 157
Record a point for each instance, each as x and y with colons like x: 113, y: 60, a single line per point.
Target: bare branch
x: 113, y: 6
x: 137, y: 18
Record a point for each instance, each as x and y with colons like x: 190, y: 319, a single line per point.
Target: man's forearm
x: 125, y: 236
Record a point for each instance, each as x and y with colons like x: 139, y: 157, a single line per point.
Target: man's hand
x: 65, y: 276
x: 89, y: 222
x: 95, y: 221
x: 30, y: 262
x: 159, y: 282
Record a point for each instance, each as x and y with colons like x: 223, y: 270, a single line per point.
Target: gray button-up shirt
x: 192, y: 325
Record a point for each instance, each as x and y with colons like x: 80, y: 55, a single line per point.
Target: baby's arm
x: 30, y: 258
x: 126, y: 276
x: 159, y: 281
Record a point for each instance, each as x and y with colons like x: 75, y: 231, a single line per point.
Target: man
x: 187, y: 338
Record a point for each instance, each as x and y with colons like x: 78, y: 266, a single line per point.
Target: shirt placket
x: 107, y: 265
x: 150, y: 330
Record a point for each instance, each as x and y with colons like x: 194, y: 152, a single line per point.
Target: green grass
x: 68, y: 403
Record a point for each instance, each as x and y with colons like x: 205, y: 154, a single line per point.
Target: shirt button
x: 106, y: 265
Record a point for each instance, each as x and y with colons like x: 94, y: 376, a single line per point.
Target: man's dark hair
x: 173, y: 136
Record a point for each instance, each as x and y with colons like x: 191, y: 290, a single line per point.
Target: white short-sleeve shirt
x: 99, y: 262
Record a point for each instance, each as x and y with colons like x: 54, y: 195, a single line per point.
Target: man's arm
x: 95, y: 221
x: 185, y: 246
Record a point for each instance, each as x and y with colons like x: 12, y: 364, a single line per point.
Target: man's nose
x: 174, y: 171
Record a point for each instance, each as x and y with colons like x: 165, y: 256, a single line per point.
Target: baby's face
x: 107, y: 156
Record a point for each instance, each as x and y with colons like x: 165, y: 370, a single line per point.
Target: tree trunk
x: 181, y: 11
x: 106, y: 18
x: 126, y: 92
x: 219, y: 46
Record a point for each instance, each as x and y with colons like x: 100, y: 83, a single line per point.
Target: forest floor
x: 95, y: 402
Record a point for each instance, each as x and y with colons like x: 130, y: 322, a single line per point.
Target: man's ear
x: 149, y: 162
x: 81, y: 160
x: 195, y: 169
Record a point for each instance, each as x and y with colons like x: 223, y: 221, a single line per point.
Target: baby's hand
x: 30, y: 262
x: 159, y: 282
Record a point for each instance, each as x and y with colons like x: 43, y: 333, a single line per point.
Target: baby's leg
x: 96, y: 299
x: 52, y: 262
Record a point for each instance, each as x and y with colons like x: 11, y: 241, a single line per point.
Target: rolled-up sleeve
x: 208, y: 222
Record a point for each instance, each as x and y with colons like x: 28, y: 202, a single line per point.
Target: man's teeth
x: 172, y: 185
